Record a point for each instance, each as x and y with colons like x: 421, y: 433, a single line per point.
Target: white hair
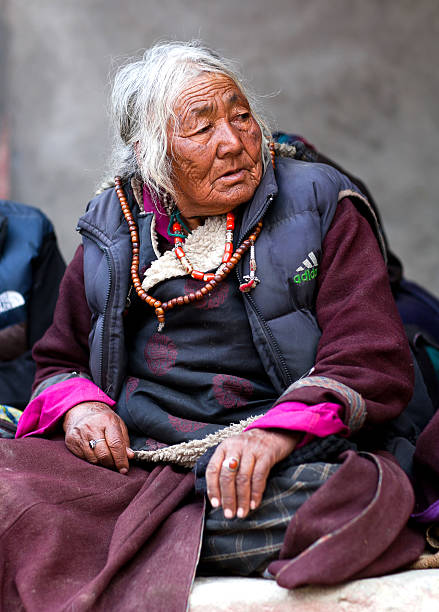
x: 143, y: 99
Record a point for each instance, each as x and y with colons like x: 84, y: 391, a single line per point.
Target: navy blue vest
x: 297, y: 205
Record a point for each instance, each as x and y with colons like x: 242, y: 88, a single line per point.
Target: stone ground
x: 359, y: 79
x: 413, y: 591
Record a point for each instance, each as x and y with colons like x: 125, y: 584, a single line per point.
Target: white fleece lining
x: 204, y: 248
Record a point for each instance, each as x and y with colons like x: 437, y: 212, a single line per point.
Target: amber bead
x: 230, y: 259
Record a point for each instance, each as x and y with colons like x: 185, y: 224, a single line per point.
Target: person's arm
x: 363, y: 366
x: 64, y: 395
x: 363, y: 360
x: 64, y: 347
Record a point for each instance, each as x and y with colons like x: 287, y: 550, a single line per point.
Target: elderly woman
x: 228, y: 311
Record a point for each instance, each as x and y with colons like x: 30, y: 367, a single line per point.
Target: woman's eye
x: 243, y: 116
x: 203, y: 129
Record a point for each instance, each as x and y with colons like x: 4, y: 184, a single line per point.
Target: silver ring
x: 93, y: 443
x: 231, y: 463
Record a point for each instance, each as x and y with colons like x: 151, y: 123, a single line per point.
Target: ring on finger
x: 92, y: 443
x: 231, y: 463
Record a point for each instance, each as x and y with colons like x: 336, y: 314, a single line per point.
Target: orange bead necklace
x: 211, y: 280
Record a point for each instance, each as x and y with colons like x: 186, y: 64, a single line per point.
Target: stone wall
x: 359, y: 79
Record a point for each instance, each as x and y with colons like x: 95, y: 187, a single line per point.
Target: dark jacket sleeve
x: 363, y: 344
x: 64, y: 347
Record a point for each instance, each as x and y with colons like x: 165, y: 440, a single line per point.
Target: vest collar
x: 257, y: 207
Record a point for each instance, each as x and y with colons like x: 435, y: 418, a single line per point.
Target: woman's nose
x: 229, y: 140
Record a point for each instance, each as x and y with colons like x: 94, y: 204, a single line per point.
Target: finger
x: 244, y: 484
x: 74, y: 447
x: 227, y: 481
x: 78, y: 445
x: 212, y: 477
x: 87, y: 452
x: 102, y: 452
x: 117, y: 446
x: 259, y: 481
x: 126, y: 438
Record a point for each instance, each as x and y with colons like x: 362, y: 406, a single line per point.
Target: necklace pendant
x: 250, y: 283
x: 160, y: 326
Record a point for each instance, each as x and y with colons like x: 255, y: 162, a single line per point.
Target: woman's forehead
x: 201, y: 94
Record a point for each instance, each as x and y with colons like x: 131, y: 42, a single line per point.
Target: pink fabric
x: 43, y: 413
x: 319, y: 420
x: 161, y: 218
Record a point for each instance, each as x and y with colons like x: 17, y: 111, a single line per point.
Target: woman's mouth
x: 233, y: 175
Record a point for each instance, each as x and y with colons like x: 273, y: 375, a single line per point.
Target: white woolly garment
x: 204, y: 248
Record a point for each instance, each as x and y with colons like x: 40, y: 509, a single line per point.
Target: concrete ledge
x: 414, y: 591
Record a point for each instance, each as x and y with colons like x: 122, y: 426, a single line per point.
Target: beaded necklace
x: 228, y: 262
x: 181, y: 256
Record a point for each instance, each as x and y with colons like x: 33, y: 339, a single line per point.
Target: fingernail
x: 252, y: 504
x: 123, y: 471
x: 214, y: 502
x: 240, y: 513
x: 228, y: 513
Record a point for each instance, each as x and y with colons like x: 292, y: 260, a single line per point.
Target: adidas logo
x: 308, y: 269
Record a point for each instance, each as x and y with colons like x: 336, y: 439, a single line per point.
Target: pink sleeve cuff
x: 43, y: 413
x: 319, y: 420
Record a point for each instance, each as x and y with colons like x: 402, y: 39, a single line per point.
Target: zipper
x: 271, y: 340
x: 104, y: 250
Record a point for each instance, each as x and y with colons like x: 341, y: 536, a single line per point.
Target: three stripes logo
x: 308, y: 270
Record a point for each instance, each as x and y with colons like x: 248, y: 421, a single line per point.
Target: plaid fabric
x: 9, y: 417
x: 247, y: 546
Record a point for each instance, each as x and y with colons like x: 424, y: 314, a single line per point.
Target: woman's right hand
x: 97, y: 421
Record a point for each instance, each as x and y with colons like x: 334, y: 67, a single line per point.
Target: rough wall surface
x: 359, y: 79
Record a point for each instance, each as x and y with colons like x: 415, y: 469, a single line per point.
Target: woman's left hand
x: 257, y: 451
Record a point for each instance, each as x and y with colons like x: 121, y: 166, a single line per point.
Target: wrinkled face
x: 216, y: 148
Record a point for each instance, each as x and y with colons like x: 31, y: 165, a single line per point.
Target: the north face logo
x: 308, y: 269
